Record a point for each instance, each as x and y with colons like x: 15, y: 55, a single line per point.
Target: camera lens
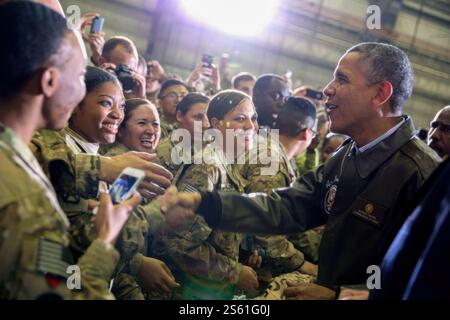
x: 127, y: 83
x: 123, y: 73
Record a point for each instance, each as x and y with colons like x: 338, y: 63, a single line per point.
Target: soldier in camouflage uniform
x: 191, y: 116
x: 34, y: 235
x: 164, y: 154
x: 140, y: 131
x: 57, y: 148
x: 172, y: 91
x: 295, y: 122
x: 311, y: 158
x: 207, y: 260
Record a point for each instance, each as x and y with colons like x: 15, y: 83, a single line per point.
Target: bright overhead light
x: 237, y: 17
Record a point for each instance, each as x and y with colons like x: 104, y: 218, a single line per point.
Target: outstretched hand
x: 178, y: 207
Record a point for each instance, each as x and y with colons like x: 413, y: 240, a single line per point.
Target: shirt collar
x: 384, y: 136
x: 78, y: 144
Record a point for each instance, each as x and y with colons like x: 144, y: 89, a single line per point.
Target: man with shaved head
x: 439, y: 135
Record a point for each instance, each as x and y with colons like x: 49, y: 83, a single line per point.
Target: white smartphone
x: 125, y: 184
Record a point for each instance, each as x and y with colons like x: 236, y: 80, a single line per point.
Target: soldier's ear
x: 101, y: 60
x: 49, y: 81
x: 384, y: 91
x: 179, y: 116
x: 214, y: 122
x: 302, y: 135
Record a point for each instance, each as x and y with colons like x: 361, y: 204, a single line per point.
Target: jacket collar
x: 370, y: 160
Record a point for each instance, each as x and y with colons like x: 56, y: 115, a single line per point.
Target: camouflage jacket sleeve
x: 132, y: 243
x: 70, y: 173
x: 257, y: 182
x: 193, y: 253
x: 36, y: 261
x: 151, y: 215
x: 111, y: 150
x: 308, y: 243
x: 193, y: 249
x: 132, y: 246
x: 147, y: 220
x: 126, y: 288
x: 279, y: 254
x: 97, y: 265
x: 164, y: 156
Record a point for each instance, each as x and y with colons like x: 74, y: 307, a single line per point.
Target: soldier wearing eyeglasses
x: 171, y: 93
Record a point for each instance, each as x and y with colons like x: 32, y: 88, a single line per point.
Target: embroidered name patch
x: 369, y: 211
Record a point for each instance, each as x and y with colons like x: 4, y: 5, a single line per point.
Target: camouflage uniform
x: 276, y: 287
x: 136, y: 237
x: 170, y: 155
x: 280, y: 256
x: 34, y: 235
x: 112, y: 150
x: 164, y: 155
x: 75, y: 177
x: 65, y: 171
x: 206, y: 259
x: 306, y: 161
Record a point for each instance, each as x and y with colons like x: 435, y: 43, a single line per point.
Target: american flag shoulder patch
x: 53, y: 258
x: 189, y: 188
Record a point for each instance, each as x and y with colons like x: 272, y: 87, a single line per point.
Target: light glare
x: 237, y: 17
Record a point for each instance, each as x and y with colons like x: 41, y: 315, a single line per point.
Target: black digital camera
x: 125, y: 77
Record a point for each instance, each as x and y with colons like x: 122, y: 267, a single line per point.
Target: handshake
x: 178, y: 207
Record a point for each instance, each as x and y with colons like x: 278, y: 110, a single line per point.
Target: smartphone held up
x: 126, y: 184
x: 97, y: 24
x: 207, y: 62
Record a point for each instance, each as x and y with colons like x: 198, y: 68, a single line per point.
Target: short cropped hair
x: 263, y: 82
x: 31, y: 34
x: 189, y: 100
x: 243, y: 76
x: 115, y: 41
x: 170, y: 83
x: 387, y: 62
x: 224, y: 102
x: 297, y: 114
x: 131, y: 105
